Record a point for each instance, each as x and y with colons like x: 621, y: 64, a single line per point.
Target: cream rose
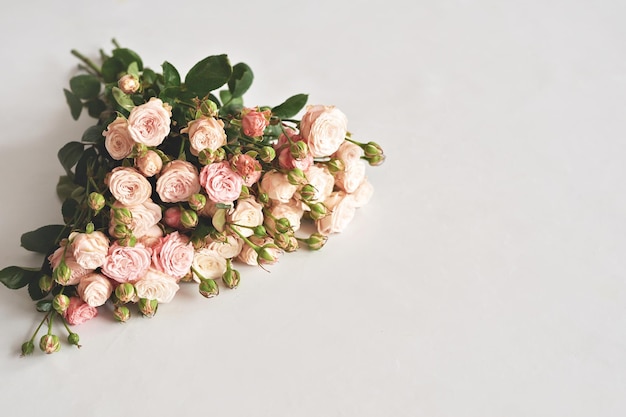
x: 363, y: 193
x: 325, y: 128
x: 277, y: 186
x: 205, y: 133
x: 156, y: 285
x: 248, y: 255
x: 341, y: 212
x: 89, y: 249
x: 323, y: 181
x: 118, y: 142
x: 348, y: 153
x: 208, y: 264
x: 177, y: 182
x: 128, y: 186
x: 127, y: 263
x: 145, y: 217
x: 291, y: 211
x: 351, y: 177
x: 94, y: 289
x: 77, y: 271
x: 173, y: 255
x: 150, y: 164
x: 150, y: 122
x: 247, y: 213
x: 229, y: 247
x: 222, y: 184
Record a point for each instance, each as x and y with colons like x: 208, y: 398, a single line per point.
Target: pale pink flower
x: 79, y: 311
x: 248, y: 167
x: 173, y: 255
x: 128, y: 186
x: 341, y: 212
x: 254, y: 122
x: 351, y: 177
x: 152, y: 237
x: 94, y: 289
x: 348, y: 152
x: 156, y: 285
x: 177, y: 182
x: 150, y: 164
x: 287, y: 161
x: 171, y: 217
x: 229, y: 247
x: 222, y: 184
x: 118, y: 142
x: 144, y: 217
x: 291, y: 211
x: 150, y: 122
x: 205, y: 133
x: 323, y: 181
x: 248, y: 212
x: 128, y: 83
x: 77, y: 271
x: 363, y: 193
x: 89, y: 249
x: 127, y: 263
x: 325, y: 128
x: 277, y: 186
x: 208, y: 264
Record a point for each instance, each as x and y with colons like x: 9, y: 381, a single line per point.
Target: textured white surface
x: 485, y: 278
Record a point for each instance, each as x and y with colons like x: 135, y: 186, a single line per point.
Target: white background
x: 485, y: 277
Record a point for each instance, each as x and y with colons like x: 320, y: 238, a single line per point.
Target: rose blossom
x: 117, y: 140
x: 229, y: 247
x: 250, y: 257
x: 254, y: 122
x: 291, y: 211
x: 171, y: 217
x: 129, y: 84
x: 247, y: 212
x: 341, y: 212
x: 152, y: 237
x: 177, y: 182
x: 248, y: 167
x: 363, y: 193
x: 323, y: 181
x: 150, y: 122
x: 287, y: 161
x: 289, y: 135
x: 351, y: 177
x: 79, y: 311
x: 150, y: 164
x: 127, y: 263
x: 277, y: 186
x: 144, y: 217
x: 156, y: 285
x: 173, y: 255
x: 205, y: 133
x: 128, y: 186
x: 77, y: 271
x: 208, y: 264
x: 89, y: 249
x: 325, y: 128
x: 222, y: 184
x: 95, y: 289
x: 348, y: 153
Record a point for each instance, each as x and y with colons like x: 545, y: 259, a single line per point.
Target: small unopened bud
x: 120, y: 230
x: 231, y: 278
x: 62, y: 273
x: 122, y: 216
x: 260, y: 231
x: 220, y: 154
x: 149, y: 164
x: 121, y: 313
x: 335, y: 166
x: 73, y: 339
x: 206, y: 156
x: 189, y: 218
x: 197, y: 201
x: 198, y: 242
x: 308, y: 192
x: 129, y: 84
x: 139, y: 150
x: 264, y: 198
x: 60, y: 303
x: 208, y: 107
x: 316, y: 241
x: 372, y: 149
x: 45, y: 283
x: 267, y: 154
x: 283, y: 225
x: 148, y: 307
x: 266, y: 254
x: 318, y: 211
x: 296, y: 177
x: 286, y: 241
x: 89, y: 228
x: 49, y: 343
x: 128, y: 240
x: 28, y: 348
x: 96, y: 201
x: 125, y: 292
x: 208, y: 288
x: 299, y: 149
x: 376, y: 160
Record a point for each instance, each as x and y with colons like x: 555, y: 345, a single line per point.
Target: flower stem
x: 39, y: 327
x: 87, y: 61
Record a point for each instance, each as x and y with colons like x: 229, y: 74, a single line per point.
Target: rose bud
x: 316, y: 241
x: 318, y: 211
x: 267, y: 154
x: 96, y: 201
x: 299, y: 149
x: 172, y: 217
x: 60, y: 302
x: 308, y: 192
x: 220, y: 154
x: 335, y: 166
x: 286, y: 241
x: 376, y: 160
x: 260, y: 231
x: 371, y: 149
x: 122, y: 216
x: 296, y: 177
x: 125, y: 292
x: 128, y: 240
x: 264, y: 198
x: 62, y: 273
x: 149, y: 164
x: 266, y: 255
x: 129, y: 84
x: 45, y: 283
x: 73, y: 339
x: 231, y: 278
x: 148, y: 307
x: 208, y: 107
x: 49, y: 343
x: 206, y: 156
x: 120, y: 231
x: 121, y: 313
x: 208, y: 288
x: 283, y: 225
x: 28, y: 348
x: 197, y: 201
x: 189, y: 218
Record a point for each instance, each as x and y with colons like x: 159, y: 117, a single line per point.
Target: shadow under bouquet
x: 178, y: 181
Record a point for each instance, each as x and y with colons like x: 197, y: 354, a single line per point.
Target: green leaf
x: 291, y: 106
x: 240, y: 80
x: 93, y: 134
x: 69, y: 155
x: 69, y: 209
x: 85, y: 86
x: 95, y: 107
x: 123, y: 99
x: 171, y: 77
x: 86, y: 166
x: 76, y: 106
x: 65, y: 187
x: 44, y: 239
x: 209, y: 74
x: 127, y: 57
x: 15, y: 277
x: 219, y: 219
x: 149, y: 77
x: 231, y: 105
x: 133, y: 69
x: 35, y: 291
x: 111, y: 69
x: 44, y: 306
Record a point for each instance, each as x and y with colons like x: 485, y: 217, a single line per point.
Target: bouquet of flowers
x: 178, y: 181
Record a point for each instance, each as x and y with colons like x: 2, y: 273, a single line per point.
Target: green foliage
x: 291, y: 106
x: 207, y: 75
x: 85, y: 86
x: 76, y: 106
x: 240, y: 80
x: 15, y: 277
x: 44, y: 239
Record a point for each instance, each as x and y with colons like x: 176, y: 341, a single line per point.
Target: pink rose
x: 94, y: 289
x: 325, y: 128
x: 79, y: 311
x: 277, y: 186
x: 348, y: 153
x: 150, y: 122
x: 89, y: 249
x: 156, y: 285
x: 341, y: 211
x: 222, y: 184
x: 205, y: 133
x: 287, y: 161
x: 171, y: 217
x: 178, y: 181
x: 248, y: 212
x: 289, y: 135
x: 128, y: 186
x: 152, y: 237
x: 248, y: 167
x: 127, y: 263
x: 351, y: 177
x: 144, y: 217
x: 117, y: 140
x: 254, y: 122
x: 77, y: 271
x: 150, y: 164
x: 173, y: 255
